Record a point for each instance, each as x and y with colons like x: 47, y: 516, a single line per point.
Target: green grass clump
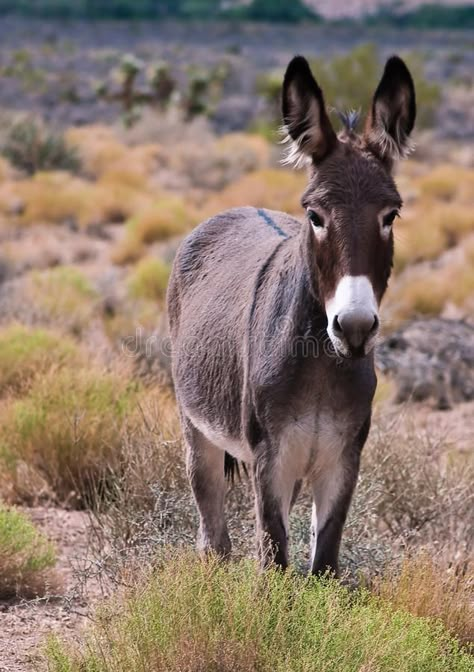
x: 27, y: 353
x: 194, y: 615
x: 65, y: 296
x: 69, y: 428
x: 31, y: 148
x: 25, y: 556
x: 149, y: 279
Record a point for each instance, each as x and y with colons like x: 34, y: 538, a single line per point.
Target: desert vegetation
x: 27, y: 557
x: 92, y: 210
x: 195, y: 615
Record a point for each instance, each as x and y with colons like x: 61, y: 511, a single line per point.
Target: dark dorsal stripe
x: 268, y: 220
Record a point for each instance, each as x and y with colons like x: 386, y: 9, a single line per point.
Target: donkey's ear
x: 305, y: 119
x: 393, y: 112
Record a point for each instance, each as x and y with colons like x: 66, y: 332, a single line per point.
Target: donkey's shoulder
x: 236, y: 240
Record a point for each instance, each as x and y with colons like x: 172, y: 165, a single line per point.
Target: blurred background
x: 123, y: 124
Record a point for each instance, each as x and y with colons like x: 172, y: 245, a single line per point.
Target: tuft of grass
x: 30, y: 147
x: 58, y: 198
x: 63, y: 295
x: 98, y: 147
x: 448, y: 183
x: 194, y: 615
x: 68, y: 428
x: 26, y: 556
x: 161, y: 219
x: 425, y: 292
x: 149, y: 279
x: 423, y: 588
x: 167, y: 217
x: 27, y: 353
x: 127, y: 251
x: 417, y: 239
x: 439, y: 218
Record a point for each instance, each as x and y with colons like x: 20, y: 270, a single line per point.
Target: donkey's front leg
x: 205, y: 469
x: 273, y: 495
x: 332, y: 494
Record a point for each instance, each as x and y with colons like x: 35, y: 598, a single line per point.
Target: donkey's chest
x: 313, y: 441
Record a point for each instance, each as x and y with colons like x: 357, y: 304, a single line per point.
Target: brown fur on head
x: 351, y: 198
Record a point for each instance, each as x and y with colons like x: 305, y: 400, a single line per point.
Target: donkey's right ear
x: 305, y: 119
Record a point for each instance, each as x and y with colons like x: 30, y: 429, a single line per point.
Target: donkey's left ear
x: 393, y: 112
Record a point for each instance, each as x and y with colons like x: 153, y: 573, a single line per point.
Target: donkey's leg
x: 205, y: 469
x: 274, y: 487
x: 332, y: 494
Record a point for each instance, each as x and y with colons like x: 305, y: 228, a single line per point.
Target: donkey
x: 273, y: 323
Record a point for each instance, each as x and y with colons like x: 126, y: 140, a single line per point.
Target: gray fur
x: 254, y: 371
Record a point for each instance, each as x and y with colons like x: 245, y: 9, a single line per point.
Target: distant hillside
x: 338, y: 9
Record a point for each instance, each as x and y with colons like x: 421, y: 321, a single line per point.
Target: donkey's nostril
x: 375, y: 325
x: 336, y: 326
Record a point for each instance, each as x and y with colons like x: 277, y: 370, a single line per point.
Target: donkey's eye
x: 389, y: 218
x: 315, y: 219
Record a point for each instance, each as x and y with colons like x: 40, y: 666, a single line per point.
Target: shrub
x: 149, y: 279
x: 163, y: 219
x: 128, y: 250
x: 149, y: 502
x: 440, y: 217
x: 31, y: 148
x: 68, y: 428
x: 246, y: 151
x: 194, y: 615
x: 63, y: 295
x: 26, y: 556
x: 418, y: 237
x: 58, y: 198
x: 448, y: 183
x: 425, y: 292
x: 98, y: 147
x: 423, y: 588
x: 159, y: 220
x: 273, y: 189
x: 28, y: 353
x: 424, y: 496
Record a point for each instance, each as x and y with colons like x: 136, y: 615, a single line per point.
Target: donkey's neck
x: 304, y: 313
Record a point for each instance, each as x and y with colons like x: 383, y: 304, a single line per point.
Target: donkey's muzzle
x: 355, y: 329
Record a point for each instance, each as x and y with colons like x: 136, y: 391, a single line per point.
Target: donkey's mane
x: 295, y: 155
x: 349, y: 119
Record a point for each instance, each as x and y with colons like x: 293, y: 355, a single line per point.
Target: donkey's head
x: 351, y: 199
